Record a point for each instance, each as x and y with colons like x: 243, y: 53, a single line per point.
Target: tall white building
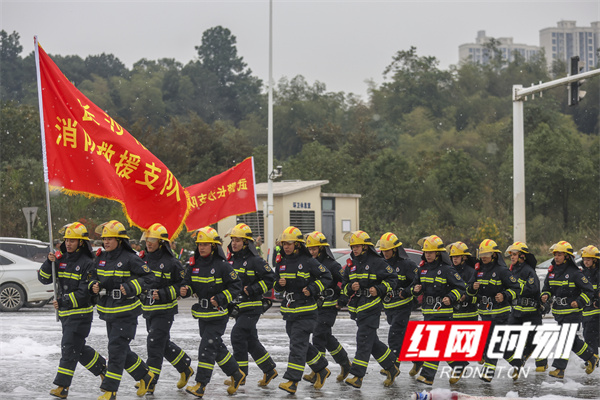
x: 568, y: 40
x: 476, y: 52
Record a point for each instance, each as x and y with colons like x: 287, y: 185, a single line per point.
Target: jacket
x: 494, y: 278
x: 527, y: 301
x: 168, y: 274
x: 564, y: 284
x: 332, y: 292
x: 406, y: 271
x: 300, y: 271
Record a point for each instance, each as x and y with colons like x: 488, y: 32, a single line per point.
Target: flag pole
x: 45, y: 164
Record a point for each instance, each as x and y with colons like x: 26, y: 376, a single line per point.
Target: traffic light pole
x: 519, y: 96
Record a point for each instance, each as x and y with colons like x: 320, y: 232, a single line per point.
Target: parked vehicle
x: 32, y: 249
x: 19, y: 283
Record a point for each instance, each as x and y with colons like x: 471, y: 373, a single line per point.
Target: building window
x: 256, y: 222
x: 303, y: 220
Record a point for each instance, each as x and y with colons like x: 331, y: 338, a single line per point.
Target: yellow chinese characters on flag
x: 89, y: 153
x: 230, y: 193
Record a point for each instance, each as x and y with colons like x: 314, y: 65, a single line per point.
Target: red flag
x: 87, y: 152
x: 229, y: 193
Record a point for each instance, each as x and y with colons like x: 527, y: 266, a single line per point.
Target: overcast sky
x: 340, y: 43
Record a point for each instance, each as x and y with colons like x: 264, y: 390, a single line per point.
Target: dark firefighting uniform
x: 494, y: 278
x: 369, y: 269
x: 466, y: 310
x: 398, y: 302
x: 75, y: 311
x: 323, y: 338
x: 591, y: 312
x: 564, y: 284
x: 526, y: 307
x: 438, y: 279
x: 208, y: 277
x: 121, y: 266
x: 299, y: 311
x: 159, y: 314
x: 257, y: 278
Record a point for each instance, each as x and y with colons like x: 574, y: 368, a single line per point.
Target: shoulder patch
x: 145, y: 268
x: 233, y: 275
x: 182, y: 273
x: 457, y: 276
x: 322, y: 268
x: 531, y: 280
x: 584, y: 279
x: 512, y: 278
x: 268, y: 268
x: 389, y: 269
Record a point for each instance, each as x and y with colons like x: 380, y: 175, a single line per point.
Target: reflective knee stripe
x: 178, y: 358
x: 135, y: 365
x: 155, y: 370
x: 296, y: 367
x: 225, y: 359
x: 243, y: 363
x: 583, y: 349
x: 384, y: 356
x: 336, y: 351
x: 314, y: 360
x: 112, y: 375
x: 65, y: 371
x: 360, y: 363
x: 490, y: 366
x: 263, y: 359
x: 430, y: 366
x: 91, y: 363
x: 205, y: 365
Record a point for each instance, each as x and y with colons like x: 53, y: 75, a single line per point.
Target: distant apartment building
x: 478, y: 53
x: 568, y: 40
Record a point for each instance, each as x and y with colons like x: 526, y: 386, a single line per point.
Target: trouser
x: 430, y: 367
x: 159, y: 345
x: 367, y: 344
x: 489, y: 364
x: 120, y: 333
x: 398, y: 320
x: 244, y: 340
x: 301, y: 350
x: 591, y: 332
x: 323, y: 338
x: 535, y: 319
x: 213, y: 349
x: 74, y: 350
x: 580, y: 347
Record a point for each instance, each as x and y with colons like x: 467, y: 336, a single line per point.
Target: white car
x: 19, y: 283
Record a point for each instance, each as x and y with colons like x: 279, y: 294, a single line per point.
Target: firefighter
x: 257, y: 279
x: 323, y: 338
x: 568, y: 290
x: 73, y: 302
x: 123, y: 275
x: 495, y: 288
x: 160, y: 305
x: 464, y: 263
x: 210, y: 277
x: 367, y: 281
x: 301, y: 278
x: 591, y: 313
x: 442, y: 288
x: 397, y: 303
x: 526, y: 308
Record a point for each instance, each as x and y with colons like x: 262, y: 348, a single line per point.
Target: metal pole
x: 519, y: 233
x: 270, y: 236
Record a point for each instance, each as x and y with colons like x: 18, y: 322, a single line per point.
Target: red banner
x: 229, y: 193
x: 87, y: 152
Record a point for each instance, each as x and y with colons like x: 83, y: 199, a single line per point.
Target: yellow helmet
x: 112, y: 229
x: 517, y: 246
x: 156, y: 231
x: 242, y: 231
x: 208, y: 235
x: 316, y: 239
x: 74, y: 230
x: 590, y: 251
x: 431, y: 243
x: 291, y: 234
x: 562, y: 246
x: 388, y: 241
x: 358, y: 237
x: 487, y: 246
x: 458, y: 249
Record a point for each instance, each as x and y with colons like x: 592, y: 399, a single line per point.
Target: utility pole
x: 519, y: 96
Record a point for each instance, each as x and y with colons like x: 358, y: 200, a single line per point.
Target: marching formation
x: 453, y: 284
